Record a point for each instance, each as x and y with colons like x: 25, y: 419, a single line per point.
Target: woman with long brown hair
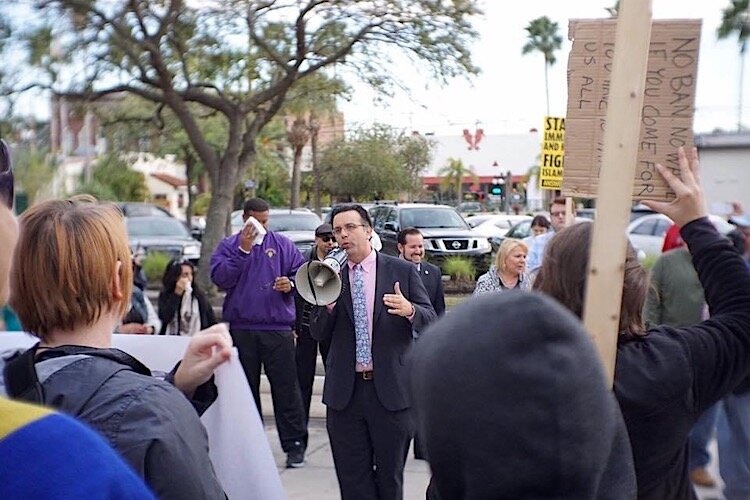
x: 665, y: 377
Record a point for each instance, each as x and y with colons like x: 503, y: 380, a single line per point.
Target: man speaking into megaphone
x: 371, y: 325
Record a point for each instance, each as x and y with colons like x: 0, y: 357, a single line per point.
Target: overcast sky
x: 508, y: 96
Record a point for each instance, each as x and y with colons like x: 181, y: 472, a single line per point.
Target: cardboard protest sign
x: 553, y: 152
x: 667, y: 111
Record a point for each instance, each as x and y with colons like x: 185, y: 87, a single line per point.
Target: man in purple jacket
x: 259, y: 307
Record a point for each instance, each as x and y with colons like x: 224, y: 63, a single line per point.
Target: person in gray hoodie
x: 517, y: 407
x: 70, y: 291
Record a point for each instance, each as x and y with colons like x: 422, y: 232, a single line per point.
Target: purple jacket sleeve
x: 226, y: 263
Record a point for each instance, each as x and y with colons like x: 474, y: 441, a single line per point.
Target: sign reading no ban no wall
x: 553, y: 153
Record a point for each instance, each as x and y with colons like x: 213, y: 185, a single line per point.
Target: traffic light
x: 496, y: 189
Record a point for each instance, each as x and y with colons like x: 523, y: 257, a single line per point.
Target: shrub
x: 200, y: 204
x: 459, y: 269
x: 154, y: 265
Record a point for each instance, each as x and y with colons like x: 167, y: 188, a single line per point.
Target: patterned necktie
x: 360, y: 317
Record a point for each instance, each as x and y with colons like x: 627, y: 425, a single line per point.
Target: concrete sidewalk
x: 317, y: 479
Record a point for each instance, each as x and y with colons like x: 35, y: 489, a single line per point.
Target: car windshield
x: 520, y: 230
x: 140, y: 227
x: 432, y: 218
x: 465, y: 207
x: 293, y: 222
x: 477, y: 219
x: 143, y: 210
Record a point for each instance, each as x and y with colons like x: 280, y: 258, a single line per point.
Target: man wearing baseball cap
x: 307, y: 347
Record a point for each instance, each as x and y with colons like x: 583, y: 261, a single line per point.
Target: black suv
x: 445, y: 232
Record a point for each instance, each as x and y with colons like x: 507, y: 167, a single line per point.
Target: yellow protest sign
x: 553, y: 152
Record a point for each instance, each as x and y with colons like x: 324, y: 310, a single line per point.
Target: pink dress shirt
x: 369, y: 269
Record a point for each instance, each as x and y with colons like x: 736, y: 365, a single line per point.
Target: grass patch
x: 452, y: 301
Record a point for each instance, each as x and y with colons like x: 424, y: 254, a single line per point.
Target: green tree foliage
x: 373, y: 163
x: 543, y: 37
x: 114, y: 180
x: 235, y: 59
x: 201, y: 204
x: 132, y: 123
x: 272, y: 177
x: 34, y: 170
x: 735, y: 20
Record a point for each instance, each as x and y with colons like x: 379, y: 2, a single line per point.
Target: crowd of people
x: 504, y: 396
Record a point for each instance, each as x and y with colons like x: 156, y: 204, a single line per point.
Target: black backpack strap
x: 21, y: 380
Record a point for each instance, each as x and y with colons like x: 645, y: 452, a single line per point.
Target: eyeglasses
x: 326, y: 238
x: 349, y: 228
x: 6, y: 175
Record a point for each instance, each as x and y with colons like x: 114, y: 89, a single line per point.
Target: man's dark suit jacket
x: 392, y: 336
x: 433, y: 282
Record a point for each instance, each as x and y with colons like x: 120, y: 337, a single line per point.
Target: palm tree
x: 297, y: 134
x: 736, y: 19
x: 612, y: 11
x: 543, y: 37
x: 310, y: 99
x: 453, y: 174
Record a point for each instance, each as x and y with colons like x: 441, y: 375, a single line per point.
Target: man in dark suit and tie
x: 411, y: 248
x: 383, y: 303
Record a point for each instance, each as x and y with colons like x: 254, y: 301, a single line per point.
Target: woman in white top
x: 509, y: 271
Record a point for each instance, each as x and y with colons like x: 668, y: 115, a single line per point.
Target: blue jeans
x: 734, y: 446
x: 700, y: 436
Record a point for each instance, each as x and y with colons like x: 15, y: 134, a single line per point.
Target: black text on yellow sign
x: 553, y: 151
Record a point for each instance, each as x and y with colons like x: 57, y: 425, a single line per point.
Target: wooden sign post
x: 606, y: 264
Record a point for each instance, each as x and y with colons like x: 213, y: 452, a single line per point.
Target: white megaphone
x: 318, y: 282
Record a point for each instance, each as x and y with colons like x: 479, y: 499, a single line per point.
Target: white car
x: 647, y: 233
x: 298, y: 225
x: 497, y: 225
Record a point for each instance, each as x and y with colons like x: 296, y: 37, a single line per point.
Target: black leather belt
x: 365, y: 375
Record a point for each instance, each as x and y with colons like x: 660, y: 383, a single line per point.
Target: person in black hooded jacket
x: 517, y: 407
x: 665, y: 377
